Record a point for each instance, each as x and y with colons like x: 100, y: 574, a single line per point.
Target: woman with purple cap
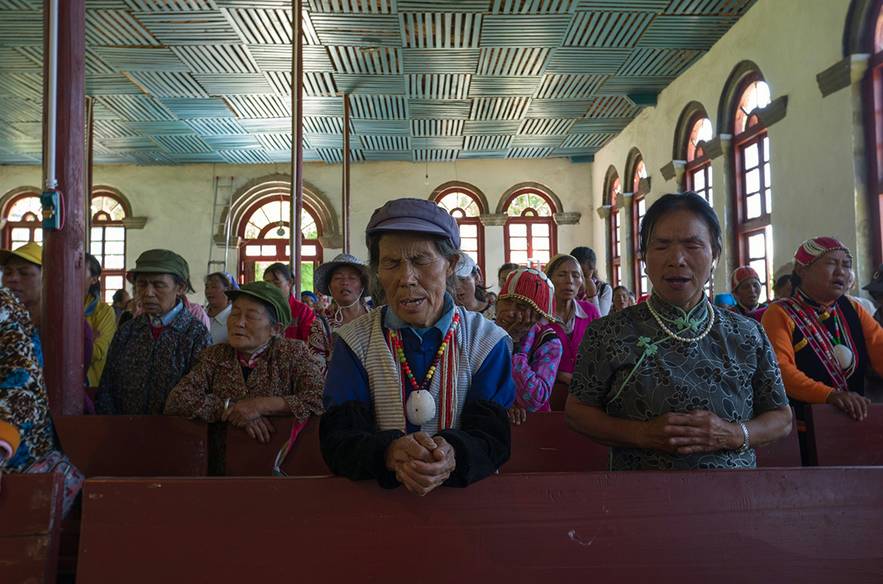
x: 345, y: 279
x: 825, y: 341
x: 417, y: 390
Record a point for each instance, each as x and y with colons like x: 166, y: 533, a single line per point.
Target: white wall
x: 811, y: 148
x: 177, y: 200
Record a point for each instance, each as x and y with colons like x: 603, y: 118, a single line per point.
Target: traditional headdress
x: 812, y: 249
x: 533, y: 287
x: 743, y: 274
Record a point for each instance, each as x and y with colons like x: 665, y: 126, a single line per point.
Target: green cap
x: 269, y: 295
x: 161, y: 261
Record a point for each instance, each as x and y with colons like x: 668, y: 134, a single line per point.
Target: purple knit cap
x: 417, y: 215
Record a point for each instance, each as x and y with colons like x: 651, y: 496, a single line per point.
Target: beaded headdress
x: 533, y: 287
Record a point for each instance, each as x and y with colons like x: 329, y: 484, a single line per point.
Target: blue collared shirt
x: 168, y: 317
x: 348, y: 380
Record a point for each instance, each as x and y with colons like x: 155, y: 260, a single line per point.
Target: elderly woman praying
x: 674, y: 382
x: 417, y: 391
x: 256, y: 374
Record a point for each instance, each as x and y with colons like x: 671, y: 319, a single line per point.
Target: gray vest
x: 476, y: 338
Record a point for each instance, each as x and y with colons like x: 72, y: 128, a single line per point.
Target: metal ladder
x: 223, y: 198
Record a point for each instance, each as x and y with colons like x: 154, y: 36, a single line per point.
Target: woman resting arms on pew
x: 525, y: 309
x: 27, y: 438
x: 417, y: 391
x: 674, y: 382
x: 825, y: 341
x: 257, y: 373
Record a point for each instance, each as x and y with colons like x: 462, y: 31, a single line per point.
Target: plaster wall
x: 791, y: 41
x: 177, y: 200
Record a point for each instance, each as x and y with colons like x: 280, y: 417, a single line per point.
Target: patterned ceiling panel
x: 217, y: 59
x: 532, y: 6
x: 182, y: 81
x: 512, y: 61
x: 607, y: 29
x: 158, y: 83
x: 445, y: 30
x: 438, y: 86
x: 524, y: 31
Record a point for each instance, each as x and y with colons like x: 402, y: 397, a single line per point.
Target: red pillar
x: 62, y: 327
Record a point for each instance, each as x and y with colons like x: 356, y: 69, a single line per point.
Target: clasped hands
x: 691, y: 433
x: 248, y: 414
x: 421, y: 462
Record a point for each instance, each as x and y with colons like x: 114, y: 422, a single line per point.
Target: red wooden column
x: 297, y: 139
x: 62, y: 327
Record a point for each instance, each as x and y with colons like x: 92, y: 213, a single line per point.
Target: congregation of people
x: 418, y: 370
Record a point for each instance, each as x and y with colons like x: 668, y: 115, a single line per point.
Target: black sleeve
x: 352, y: 446
x: 482, y: 444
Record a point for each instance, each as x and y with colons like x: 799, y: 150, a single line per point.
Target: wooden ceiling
x: 184, y: 81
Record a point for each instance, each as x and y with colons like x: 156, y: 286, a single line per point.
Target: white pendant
x: 420, y: 407
x: 844, y: 356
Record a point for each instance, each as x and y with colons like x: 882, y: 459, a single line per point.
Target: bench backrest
x: 247, y: 457
x: 30, y: 520
x: 544, y: 443
x: 839, y: 440
x: 126, y: 446
x: 792, y: 525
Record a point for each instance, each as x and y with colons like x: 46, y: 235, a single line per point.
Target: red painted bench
x: 803, y: 525
x: 247, y: 457
x: 839, y: 440
x: 30, y: 522
x: 125, y: 446
x: 544, y: 443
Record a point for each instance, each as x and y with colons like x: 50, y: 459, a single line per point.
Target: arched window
x: 465, y: 206
x: 108, y: 240
x: 874, y: 126
x: 753, y: 204
x: 612, y: 190
x: 637, y: 172
x: 698, y: 174
x: 531, y: 237
x: 264, y: 233
x: 23, y: 215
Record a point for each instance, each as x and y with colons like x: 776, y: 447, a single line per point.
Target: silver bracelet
x: 226, y: 404
x: 746, y: 438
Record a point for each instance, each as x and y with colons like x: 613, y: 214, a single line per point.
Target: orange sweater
x: 780, y: 329
x: 10, y: 435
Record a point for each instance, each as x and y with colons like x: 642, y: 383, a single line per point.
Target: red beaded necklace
x: 395, y: 341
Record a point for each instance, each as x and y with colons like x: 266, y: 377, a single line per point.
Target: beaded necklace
x: 398, y: 347
x: 420, y: 405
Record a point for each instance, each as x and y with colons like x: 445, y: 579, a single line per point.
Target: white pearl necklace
x: 675, y: 336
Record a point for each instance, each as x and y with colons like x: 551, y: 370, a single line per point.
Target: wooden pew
x: 247, y: 457
x: 783, y: 452
x: 30, y: 521
x: 544, y: 443
x: 835, y: 439
x: 803, y: 525
x: 127, y: 446
x: 131, y: 446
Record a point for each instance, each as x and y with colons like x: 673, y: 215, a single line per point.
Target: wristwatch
x: 746, y: 438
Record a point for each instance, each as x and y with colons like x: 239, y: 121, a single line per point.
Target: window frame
x: 476, y: 221
x: 698, y: 162
x: 639, y: 279
x: 755, y: 134
x: 873, y: 124
x: 247, y: 263
x: 530, y: 217
x: 613, y: 190
x: 104, y: 225
x: 31, y: 226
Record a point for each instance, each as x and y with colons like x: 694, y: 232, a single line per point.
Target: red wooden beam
x: 62, y: 319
